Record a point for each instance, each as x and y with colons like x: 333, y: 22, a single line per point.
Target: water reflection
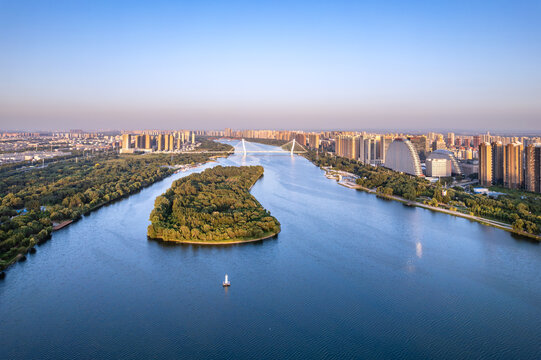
x: 419, y: 249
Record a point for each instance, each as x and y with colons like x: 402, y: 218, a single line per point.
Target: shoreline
x: 226, y: 242
x: 218, y: 243
x: 66, y: 223
x: 478, y: 219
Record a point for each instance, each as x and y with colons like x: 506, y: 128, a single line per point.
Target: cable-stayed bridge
x: 292, y: 151
x: 295, y: 149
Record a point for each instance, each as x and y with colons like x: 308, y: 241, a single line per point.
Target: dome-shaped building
x: 447, y: 155
x: 401, y: 156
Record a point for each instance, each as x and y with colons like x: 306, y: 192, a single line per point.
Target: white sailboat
x: 226, y: 281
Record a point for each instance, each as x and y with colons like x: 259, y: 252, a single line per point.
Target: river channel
x: 349, y: 276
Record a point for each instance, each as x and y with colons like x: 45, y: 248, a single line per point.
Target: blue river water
x: 350, y: 276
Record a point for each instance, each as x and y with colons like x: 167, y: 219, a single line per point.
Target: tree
x: 12, y: 201
x: 518, y: 225
x: 33, y: 205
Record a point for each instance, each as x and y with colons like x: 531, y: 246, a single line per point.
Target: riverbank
x: 219, y: 243
x: 23, y: 250
x: 481, y: 220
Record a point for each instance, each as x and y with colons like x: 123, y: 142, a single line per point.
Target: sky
x: 472, y: 65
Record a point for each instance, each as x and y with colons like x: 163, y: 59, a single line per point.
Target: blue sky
x: 291, y: 64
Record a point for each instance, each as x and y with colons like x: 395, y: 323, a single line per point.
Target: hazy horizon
x: 286, y: 65
x: 464, y: 132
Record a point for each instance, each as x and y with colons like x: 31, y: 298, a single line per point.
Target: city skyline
x: 290, y: 65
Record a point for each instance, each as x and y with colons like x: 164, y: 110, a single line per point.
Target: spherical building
x: 401, y: 156
x: 447, y: 155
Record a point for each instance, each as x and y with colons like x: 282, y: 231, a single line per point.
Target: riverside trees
x: 518, y: 208
x: 215, y: 205
x: 31, y: 200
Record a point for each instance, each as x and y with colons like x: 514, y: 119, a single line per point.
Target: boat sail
x: 226, y: 281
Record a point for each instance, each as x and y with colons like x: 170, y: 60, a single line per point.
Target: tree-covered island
x: 213, y: 207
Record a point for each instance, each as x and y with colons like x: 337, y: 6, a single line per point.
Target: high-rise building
x: 139, y: 141
x: 485, y: 164
x: 486, y: 138
x: 166, y: 142
x: 313, y: 141
x: 368, y: 145
x: 126, y: 141
x: 300, y: 138
x: 513, y: 171
x: 532, y: 173
x: 171, y: 142
x: 360, y: 148
x: 160, y: 142
x: 346, y: 146
x: 497, y: 163
x: 193, y: 137
x: 512, y: 166
x: 450, y: 139
x: 148, y: 142
x: 438, y: 144
x: 421, y: 145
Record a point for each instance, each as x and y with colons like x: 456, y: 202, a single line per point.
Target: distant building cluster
x: 308, y: 139
x: 509, y: 161
x: 32, y: 146
x: 511, y: 165
x: 30, y: 156
x: 18, y: 135
x: 149, y: 141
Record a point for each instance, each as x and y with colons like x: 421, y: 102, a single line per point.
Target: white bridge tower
x: 292, y: 146
x: 244, y: 147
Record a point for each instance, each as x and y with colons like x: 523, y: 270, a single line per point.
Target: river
x: 349, y: 276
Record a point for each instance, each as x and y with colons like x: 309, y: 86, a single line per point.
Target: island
x: 213, y: 207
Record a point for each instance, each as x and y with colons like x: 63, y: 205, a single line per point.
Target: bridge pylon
x: 244, y: 146
x: 292, y: 146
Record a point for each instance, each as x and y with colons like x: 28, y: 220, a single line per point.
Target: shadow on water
x: 524, y: 239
